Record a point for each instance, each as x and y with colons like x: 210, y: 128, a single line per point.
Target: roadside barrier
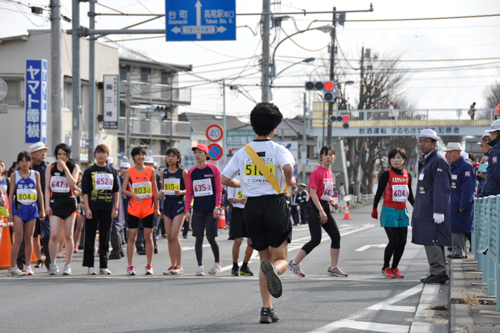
x: 486, y: 242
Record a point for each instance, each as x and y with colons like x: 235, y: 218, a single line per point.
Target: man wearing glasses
x: 431, y: 219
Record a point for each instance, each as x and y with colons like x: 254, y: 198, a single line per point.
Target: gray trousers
x: 436, y: 259
x: 458, y: 244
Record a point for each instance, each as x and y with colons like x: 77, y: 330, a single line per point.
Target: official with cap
x: 302, y: 198
x: 492, y: 186
x: 463, y: 184
x: 431, y: 219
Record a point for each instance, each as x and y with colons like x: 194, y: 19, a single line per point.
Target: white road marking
x: 351, y: 322
x: 366, y: 247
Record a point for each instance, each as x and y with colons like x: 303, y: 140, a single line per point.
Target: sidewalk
x: 471, y: 309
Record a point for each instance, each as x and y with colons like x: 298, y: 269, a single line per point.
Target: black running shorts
x: 63, y: 207
x: 237, y: 227
x: 202, y: 220
x: 147, y: 222
x: 267, y: 221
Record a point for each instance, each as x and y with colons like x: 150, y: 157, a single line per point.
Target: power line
x: 412, y: 60
x: 419, y: 19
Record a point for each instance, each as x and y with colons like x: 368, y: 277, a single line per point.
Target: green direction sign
x: 239, y: 138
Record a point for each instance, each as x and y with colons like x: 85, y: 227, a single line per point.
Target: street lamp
x: 274, y: 76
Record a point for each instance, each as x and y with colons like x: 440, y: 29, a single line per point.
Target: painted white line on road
x: 350, y: 321
x: 368, y: 326
x: 424, y: 315
x: 366, y: 247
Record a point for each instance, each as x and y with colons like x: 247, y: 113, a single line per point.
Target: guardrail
x: 486, y: 242
x: 410, y: 118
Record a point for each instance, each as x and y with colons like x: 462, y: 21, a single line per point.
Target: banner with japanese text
x: 36, y: 101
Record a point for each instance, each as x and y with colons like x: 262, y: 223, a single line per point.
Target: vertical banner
x: 36, y: 101
x: 111, y: 101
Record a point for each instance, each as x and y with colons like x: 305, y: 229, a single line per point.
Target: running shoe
x: 235, y: 271
x: 268, y: 316
x: 169, y: 271
x: 387, y: 272
x: 60, y: 254
x: 215, y: 269
x: 104, y: 271
x: 396, y: 272
x: 130, y: 270
x: 149, y: 270
x: 273, y: 280
x: 295, y: 268
x: 91, y: 271
x: 29, y: 271
x: 177, y: 270
x: 14, y: 271
x: 75, y: 249
x: 53, y: 269
x: 67, y: 269
x: 200, y: 271
x: 39, y: 264
x: 244, y: 270
x: 336, y: 271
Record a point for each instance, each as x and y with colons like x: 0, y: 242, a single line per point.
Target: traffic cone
x: 222, y: 219
x: 347, y: 216
x: 5, y: 246
x: 34, y: 258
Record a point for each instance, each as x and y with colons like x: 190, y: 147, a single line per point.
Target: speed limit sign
x: 214, y: 133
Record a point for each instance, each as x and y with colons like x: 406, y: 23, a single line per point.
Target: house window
x: 14, y: 91
x: 145, y: 74
x: 124, y: 70
x: 68, y: 95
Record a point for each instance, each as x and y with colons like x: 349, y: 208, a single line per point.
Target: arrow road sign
x: 198, y: 20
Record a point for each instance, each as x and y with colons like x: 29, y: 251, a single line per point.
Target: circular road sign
x: 215, y: 152
x: 214, y: 133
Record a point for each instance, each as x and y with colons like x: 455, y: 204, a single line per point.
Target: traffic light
x: 328, y: 88
x: 345, y: 119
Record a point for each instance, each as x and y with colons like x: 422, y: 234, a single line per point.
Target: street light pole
x: 266, y: 31
x: 332, y: 77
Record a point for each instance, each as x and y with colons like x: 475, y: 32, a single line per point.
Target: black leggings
x: 314, y: 221
x: 198, y: 249
x: 396, y: 246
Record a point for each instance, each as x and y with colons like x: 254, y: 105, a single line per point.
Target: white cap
x: 428, y: 133
x: 148, y: 159
x: 110, y: 160
x: 124, y: 165
x: 485, y: 133
x: 155, y: 164
x: 495, y: 126
x: 38, y: 146
x: 453, y: 146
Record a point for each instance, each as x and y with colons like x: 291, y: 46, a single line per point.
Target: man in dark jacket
x: 463, y: 184
x: 302, y: 198
x: 431, y: 219
x: 294, y: 204
x: 492, y: 186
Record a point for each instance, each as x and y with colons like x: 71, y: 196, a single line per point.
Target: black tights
x: 198, y: 248
x: 315, y: 225
x: 396, y: 246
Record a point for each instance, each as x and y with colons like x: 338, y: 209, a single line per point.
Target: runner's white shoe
x: 14, y: 271
x: 91, y: 271
x: 200, y: 271
x: 215, y: 269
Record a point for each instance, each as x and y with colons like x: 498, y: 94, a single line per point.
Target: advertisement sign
x: 36, y: 101
x: 84, y: 147
x: 111, y: 101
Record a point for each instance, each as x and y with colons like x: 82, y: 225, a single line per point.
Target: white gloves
x: 438, y: 218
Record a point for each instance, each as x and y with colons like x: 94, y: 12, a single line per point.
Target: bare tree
x: 492, y: 95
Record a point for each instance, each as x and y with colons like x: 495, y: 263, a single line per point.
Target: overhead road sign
x: 200, y: 20
x: 215, y: 152
x: 214, y: 133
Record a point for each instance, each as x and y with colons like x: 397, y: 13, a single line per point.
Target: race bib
x: 59, y: 184
x: 170, y: 185
x: 26, y: 196
x: 400, y: 193
x: 202, y: 187
x: 103, y: 181
x: 240, y: 196
x: 144, y: 190
x: 327, y: 193
x: 253, y: 175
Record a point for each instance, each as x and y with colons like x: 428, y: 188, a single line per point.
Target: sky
x: 449, y: 83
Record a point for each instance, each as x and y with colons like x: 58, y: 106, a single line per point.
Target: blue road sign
x: 35, y: 127
x: 199, y: 20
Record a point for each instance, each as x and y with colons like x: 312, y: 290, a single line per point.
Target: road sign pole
x: 304, y: 142
x: 224, y: 120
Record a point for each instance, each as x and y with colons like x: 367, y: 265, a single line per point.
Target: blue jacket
x: 463, y: 183
x: 492, y: 186
x: 433, y: 196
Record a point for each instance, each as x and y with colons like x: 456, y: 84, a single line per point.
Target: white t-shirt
x: 391, y: 111
x: 235, y: 193
x: 253, y: 184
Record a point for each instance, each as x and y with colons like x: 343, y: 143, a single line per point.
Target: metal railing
x: 410, y: 118
x: 486, y: 241
x: 154, y: 127
x: 156, y: 93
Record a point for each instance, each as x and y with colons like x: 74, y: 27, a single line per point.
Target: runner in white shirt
x: 266, y: 215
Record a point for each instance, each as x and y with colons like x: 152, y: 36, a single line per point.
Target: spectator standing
x: 302, y: 197
x: 391, y: 111
x: 294, y: 204
x: 492, y: 186
x: 472, y: 111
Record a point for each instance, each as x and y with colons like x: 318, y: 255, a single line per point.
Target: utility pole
x: 91, y: 82
x: 332, y: 77
x: 128, y: 125
x: 77, y: 107
x: 266, y: 32
x: 304, y: 141
x: 224, y: 148
x: 361, y: 86
x: 56, y: 73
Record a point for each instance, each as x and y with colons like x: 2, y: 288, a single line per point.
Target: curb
x: 460, y: 314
